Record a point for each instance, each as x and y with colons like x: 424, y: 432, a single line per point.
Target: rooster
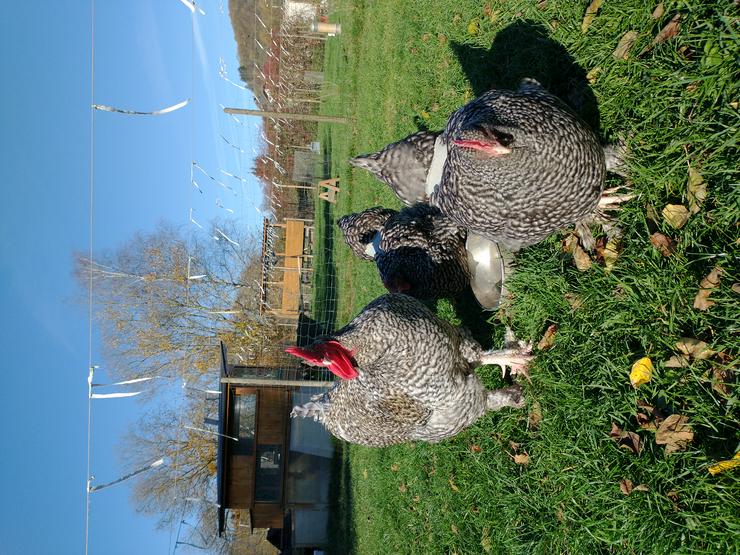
x: 417, y: 250
x: 405, y: 375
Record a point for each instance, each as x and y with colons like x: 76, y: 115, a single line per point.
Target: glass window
x: 245, y: 409
x: 269, y: 473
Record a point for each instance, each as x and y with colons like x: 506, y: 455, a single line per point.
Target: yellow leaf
x: 473, y: 27
x: 485, y: 540
x: 611, y: 253
x: 593, y: 74
x: 642, y: 372
x: 676, y: 215
x: 548, y: 340
x: 697, y: 190
x: 591, y: 11
x: 453, y: 485
x: 721, y: 466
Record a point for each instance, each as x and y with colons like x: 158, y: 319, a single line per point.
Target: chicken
x: 405, y: 375
x: 417, y: 250
x: 402, y: 165
x: 511, y: 166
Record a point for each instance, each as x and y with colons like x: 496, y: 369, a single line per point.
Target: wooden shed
x: 271, y: 468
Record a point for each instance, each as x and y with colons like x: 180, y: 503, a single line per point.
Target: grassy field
x: 404, y: 65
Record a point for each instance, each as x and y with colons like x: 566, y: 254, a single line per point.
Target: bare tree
x: 164, y: 302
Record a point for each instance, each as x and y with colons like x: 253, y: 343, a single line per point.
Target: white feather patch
x: 434, y: 176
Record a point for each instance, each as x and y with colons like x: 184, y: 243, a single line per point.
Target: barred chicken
x: 511, y: 166
x: 417, y: 250
x: 405, y: 375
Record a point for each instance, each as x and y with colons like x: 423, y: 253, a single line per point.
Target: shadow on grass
x: 341, y: 526
x: 525, y: 49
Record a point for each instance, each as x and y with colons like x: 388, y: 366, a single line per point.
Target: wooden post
x: 282, y: 115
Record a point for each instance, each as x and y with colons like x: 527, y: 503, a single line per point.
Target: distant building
x: 271, y: 467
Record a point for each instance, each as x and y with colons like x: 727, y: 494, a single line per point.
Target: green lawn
x: 402, y: 65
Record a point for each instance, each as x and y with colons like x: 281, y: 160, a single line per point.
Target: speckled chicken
x: 417, y: 250
x: 403, y: 165
x: 405, y: 375
x: 511, y: 166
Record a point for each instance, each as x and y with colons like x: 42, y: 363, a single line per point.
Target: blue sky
x: 144, y: 60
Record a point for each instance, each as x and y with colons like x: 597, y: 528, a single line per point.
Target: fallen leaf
x: 402, y: 488
x: 693, y: 348
x: 706, y: 286
x: 425, y: 37
x: 522, y: 459
x: 720, y: 378
x: 626, y: 440
x: 485, y: 540
x: 475, y: 448
x: 663, y: 243
x: 394, y: 467
x: 591, y: 12
x: 621, y: 52
x: 548, y: 340
x: 658, y: 11
x: 677, y: 361
x: 676, y: 215
x: 670, y: 30
x: 580, y: 257
x: 650, y: 418
x: 721, y: 466
x: 574, y: 301
x: 473, y: 27
x: 514, y: 446
x: 642, y: 372
x: 441, y: 38
x: 535, y: 416
x: 593, y: 74
x: 625, y: 486
x: 364, y: 473
x: 641, y: 487
x: 736, y: 288
x: 453, y: 486
x: 542, y: 4
x: 454, y: 529
x: 611, y: 253
x: 697, y: 190
x: 675, y: 433
x: 416, y: 498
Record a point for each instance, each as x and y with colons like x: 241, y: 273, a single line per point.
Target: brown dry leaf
x: 669, y: 31
x: 548, y: 340
x: 522, y: 459
x: 649, y: 418
x: 625, y: 486
x: 593, y: 74
x: 542, y: 4
x: 402, y: 488
x: 706, y: 286
x: 475, y: 448
x: 736, y: 288
x: 658, y: 11
x: 416, y: 498
x: 485, y: 540
x: 591, y: 12
x: 394, y: 467
x: 641, y: 487
x: 514, y: 446
x: 581, y: 258
x: 574, y: 301
x: 720, y: 378
x: 663, y: 243
x: 425, y: 37
x: 626, y: 440
x: 697, y: 190
x: 675, y: 433
x: 693, y: 348
x: 453, y: 486
x: 676, y: 215
x: 535, y: 416
x: 621, y: 52
x: 677, y: 361
x: 454, y: 529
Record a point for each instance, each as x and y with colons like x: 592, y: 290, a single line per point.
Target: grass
x: 404, y: 65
